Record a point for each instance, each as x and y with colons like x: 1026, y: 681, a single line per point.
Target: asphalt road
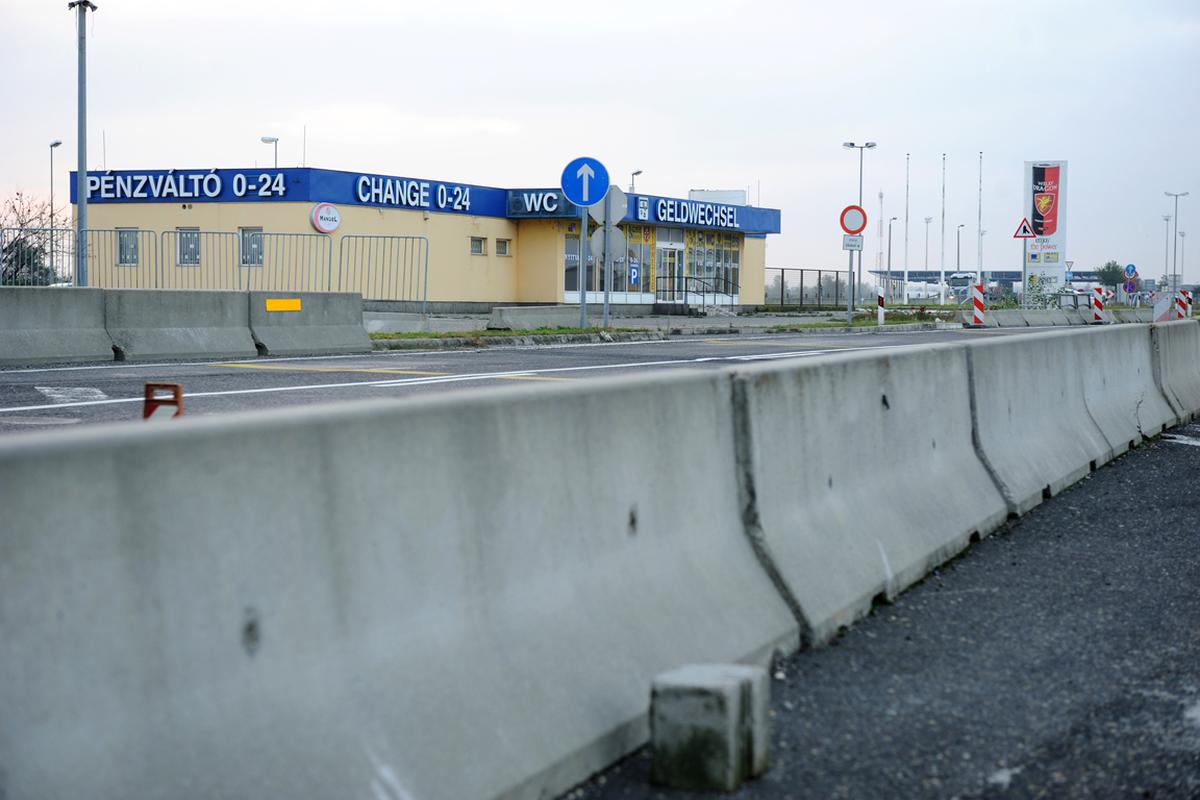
x: 1057, y: 659
x: 53, y: 397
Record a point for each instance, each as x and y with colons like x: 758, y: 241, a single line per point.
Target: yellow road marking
x: 373, y: 370
x: 283, y: 304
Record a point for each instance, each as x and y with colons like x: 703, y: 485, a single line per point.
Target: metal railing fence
x: 382, y: 267
x: 789, y: 286
x: 379, y: 267
x: 195, y: 259
x: 690, y: 291
x: 122, y: 258
x: 37, y: 256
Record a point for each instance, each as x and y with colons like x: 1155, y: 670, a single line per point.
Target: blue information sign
x: 1130, y: 271
x: 585, y: 181
x: 1070, y: 276
x: 633, y: 274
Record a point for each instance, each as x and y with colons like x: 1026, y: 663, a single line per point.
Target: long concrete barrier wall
x: 865, y: 475
x: 466, y: 596
x: 376, y: 602
x: 298, y: 323
x: 42, y: 326
x: 166, y: 323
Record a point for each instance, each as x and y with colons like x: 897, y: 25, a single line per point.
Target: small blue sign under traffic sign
x: 585, y: 181
x: 633, y: 274
x: 1130, y: 271
x: 1070, y: 276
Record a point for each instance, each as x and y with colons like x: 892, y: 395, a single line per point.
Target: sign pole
x: 849, y: 280
x: 583, y: 218
x: 607, y: 252
x: 1024, y: 275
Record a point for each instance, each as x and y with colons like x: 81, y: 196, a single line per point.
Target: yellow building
x: 405, y: 239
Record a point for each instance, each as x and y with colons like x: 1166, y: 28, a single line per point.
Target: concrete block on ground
x: 817, y: 432
x: 528, y: 317
x: 1177, y: 365
x: 169, y: 323
x: 1044, y: 317
x: 308, y: 323
x: 1010, y: 318
x: 1078, y: 316
x: 1119, y: 386
x: 43, y: 325
x: 1033, y: 424
x: 709, y: 726
x: 284, y: 604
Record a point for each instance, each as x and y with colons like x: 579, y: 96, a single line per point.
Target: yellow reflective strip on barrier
x: 283, y: 304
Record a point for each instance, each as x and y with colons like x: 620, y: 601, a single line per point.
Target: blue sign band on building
x: 309, y: 185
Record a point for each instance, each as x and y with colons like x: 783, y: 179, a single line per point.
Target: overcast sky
x: 697, y: 94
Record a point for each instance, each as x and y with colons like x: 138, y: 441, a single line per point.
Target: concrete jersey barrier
x: 1044, y: 317
x: 1033, y: 426
x: 864, y: 475
x: 288, y: 605
x: 530, y: 317
x: 1177, y: 365
x: 1119, y: 386
x: 303, y: 323
x: 167, y: 323
x: 42, y: 325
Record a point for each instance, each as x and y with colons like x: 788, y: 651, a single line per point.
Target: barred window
x: 127, y: 247
x: 252, y: 246
x: 187, y: 247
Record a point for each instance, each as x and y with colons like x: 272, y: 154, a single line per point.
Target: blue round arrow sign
x: 585, y: 181
x: 1130, y: 270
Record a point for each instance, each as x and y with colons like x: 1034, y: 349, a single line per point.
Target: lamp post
x: 274, y: 141
x: 53, y: 145
x: 1182, y: 255
x: 850, y: 274
x: 81, y: 7
x: 633, y: 175
x: 958, y: 247
x: 888, y: 285
x: 927, y: 221
x: 942, y: 277
x: 1167, y: 251
x: 1174, y: 273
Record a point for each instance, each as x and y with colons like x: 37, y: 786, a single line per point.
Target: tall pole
x: 927, y: 221
x: 942, y: 278
x: 583, y: 225
x: 904, y: 282
x: 852, y: 284
x: 81, y: 181
x: 979, y: 226
x: 1182, y: 254
x: 879, y: 258
x: 1167, y: 251
x: 888, y: 285
x: 1174, y: 258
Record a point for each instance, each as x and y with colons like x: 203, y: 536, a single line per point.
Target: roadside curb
x: 900, y: 328
x: 464, y: 342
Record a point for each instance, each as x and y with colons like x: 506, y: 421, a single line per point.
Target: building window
x: 252, y: 246
x: 187, y: 247
x: 127, y: 247
x: 503, y: 247
x: 478, y: 246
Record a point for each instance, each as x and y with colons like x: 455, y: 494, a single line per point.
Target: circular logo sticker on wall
x: 325, y: 217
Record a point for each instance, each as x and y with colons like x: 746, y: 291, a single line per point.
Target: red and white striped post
x: 977, y: 301
x: 1183, y: 304
x: 879, y: 313
x: 1098, y: 305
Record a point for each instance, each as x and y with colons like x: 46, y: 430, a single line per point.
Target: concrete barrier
x: 302, y: 323
x: 528, y: 317
x: 1044, y: 317
x: 1032, y: 422
x: 1078, y: 316
x: 1176, y: 347
x: 1010, y: 318
x: 1119, y: 386
x: 166, y: 323
x: 287, y: 605
x: 864, y: 474
x: 49, y: 325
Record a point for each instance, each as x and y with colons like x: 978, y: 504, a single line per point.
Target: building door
x: 670, y: 273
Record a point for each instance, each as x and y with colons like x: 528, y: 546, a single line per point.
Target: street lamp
x: 1182, y: 255
x: 53, y: 145
x: 1174, y: 274
x: 889, y: 264
x: 1167, y: 251
x: 927, y: 221
x: 958, y: 247
x: 273, y: 140
x: 850, y: 283
x: 633, y: 175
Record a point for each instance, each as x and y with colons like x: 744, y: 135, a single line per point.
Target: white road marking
x: 1181, y: 440
x: 71, y: 394
x: 477, y: 376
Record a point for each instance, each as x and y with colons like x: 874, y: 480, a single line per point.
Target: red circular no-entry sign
x: 853, y: 219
